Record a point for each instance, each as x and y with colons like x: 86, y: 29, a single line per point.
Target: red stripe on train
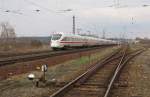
x: 71, y: 42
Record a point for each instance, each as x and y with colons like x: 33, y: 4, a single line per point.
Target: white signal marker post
x: 44, y: 70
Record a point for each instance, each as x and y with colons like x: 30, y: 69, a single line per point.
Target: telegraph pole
x: 73, y: 28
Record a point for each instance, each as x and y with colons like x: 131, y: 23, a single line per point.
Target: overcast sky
x: 127, y: 18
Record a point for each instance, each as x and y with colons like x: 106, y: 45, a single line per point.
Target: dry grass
x: 140, y: 76
x: 22, y: 46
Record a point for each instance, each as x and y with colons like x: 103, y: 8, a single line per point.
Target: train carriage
x: 62, y: 40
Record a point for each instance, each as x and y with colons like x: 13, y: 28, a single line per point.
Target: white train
x: 62, y: 40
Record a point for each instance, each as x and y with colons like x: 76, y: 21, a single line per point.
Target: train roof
x: 68, y: 34
x: 81, y: 36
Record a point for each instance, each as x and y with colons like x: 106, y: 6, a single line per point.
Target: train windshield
x: 56, y: 36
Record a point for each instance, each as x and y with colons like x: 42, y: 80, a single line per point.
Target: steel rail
x: 6, y: 55
x: 83, y: 76
x: 118, y: 70
x: 30, y: 57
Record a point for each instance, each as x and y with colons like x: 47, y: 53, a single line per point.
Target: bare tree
x: 7, y: 35
x: 7, y: 31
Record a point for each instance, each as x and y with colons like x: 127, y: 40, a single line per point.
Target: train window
x: 64, y: 39
x: 74, y: 39
x: 71, y: 39
x: 77, y: 39
x: 68, y: 39
x: 56, y: 36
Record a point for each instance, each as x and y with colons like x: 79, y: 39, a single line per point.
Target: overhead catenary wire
x: 32, y: 2
x: 40, y: 6
x: 21, y: 12
x: 9, y: 10
x: 52, y: 11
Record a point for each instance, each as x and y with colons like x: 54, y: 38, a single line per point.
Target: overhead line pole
x: 73, y: 25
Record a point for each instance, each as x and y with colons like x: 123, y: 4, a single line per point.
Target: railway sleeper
x: 101, y: 85
x: 85, y: 92
x: 121, y: 84
x: 97, y: 80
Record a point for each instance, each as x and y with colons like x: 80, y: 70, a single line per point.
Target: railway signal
x: 42, y: 78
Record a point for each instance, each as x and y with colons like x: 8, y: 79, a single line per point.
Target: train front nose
x: 55, y: 41
x: 54, y: 44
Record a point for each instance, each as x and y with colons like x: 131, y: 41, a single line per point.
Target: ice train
x: 63, y: 40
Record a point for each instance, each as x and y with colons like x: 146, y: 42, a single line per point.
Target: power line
x: 40, y: 6
x: 20, y: 12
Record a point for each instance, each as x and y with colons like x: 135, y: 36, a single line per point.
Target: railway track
x: 99, y: 79
x: 40, y: 55
x: 12, y: 54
